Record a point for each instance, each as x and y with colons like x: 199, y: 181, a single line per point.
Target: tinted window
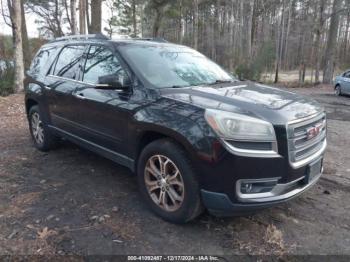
x: 68, y: 61
x: 42, y: 62
x: 100, y: 62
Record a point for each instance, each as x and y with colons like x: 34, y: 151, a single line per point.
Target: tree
x: 319, y: 30
x: 96, y: 16
x: 195, y: 24
x: 27, y: 54
x: 82, y: 17
x: 71, y: 15
x: 112, y: 22
x: 303, y: 34
x: 51, y: 16
x: 125, y: 17
x: 159, y: 7
x: 17, y: 24
x: 9, y: 21
x: 328, y: 70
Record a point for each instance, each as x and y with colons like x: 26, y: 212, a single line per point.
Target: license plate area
x: 313, y: 170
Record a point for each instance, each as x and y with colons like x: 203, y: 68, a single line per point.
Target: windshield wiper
x: 220, y: 82
x: 175, y: 86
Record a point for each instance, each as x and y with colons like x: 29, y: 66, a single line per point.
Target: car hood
x: 257, y: 100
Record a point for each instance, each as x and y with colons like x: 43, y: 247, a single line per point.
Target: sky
x: 32, y: 27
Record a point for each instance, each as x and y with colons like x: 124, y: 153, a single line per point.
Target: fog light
x: 246, y: 188
x: 257, y: 187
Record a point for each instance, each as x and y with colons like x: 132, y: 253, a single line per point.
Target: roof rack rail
x: 80, y: 37
x: 152, y: 39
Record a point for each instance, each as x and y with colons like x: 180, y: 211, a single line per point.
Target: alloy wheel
x: 164, y: 183
x: 37, y: 128
x: 337, y: 91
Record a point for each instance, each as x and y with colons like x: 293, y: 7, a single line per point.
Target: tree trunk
x: 82, y: 17
x: 331, y: 44
x: 157, y: 22
x: 231, y: 37
x: 250, y: 31
x: 19, y: 66
x: 346, y: 36
x: 134, y: 18
x: 10, y: 8
x: 290, y: 7
x: 96, y: 19
x: 318, y: 40
x: 282, y: 32
x: 73, y: 15
x: 142, y: 11
x: 278, y: 46
x: 180, y: 39
x: 58, y: 31
x: 25, y: 41
x: 241, y: 32
x: 195, y: 24
x: 87, y: 9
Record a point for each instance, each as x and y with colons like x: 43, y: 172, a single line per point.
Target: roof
x: 100, y: 38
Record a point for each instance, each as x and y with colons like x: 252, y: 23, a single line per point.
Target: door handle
x: 47, y: 87
x: 80, y: 96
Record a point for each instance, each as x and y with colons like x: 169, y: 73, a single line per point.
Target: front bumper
x: 220, y: 204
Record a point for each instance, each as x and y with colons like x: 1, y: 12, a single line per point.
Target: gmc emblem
x: 314, y: 131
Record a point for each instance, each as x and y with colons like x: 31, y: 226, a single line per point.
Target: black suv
x: 196, y: 137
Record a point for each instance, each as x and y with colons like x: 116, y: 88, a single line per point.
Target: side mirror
x: 116, y: 81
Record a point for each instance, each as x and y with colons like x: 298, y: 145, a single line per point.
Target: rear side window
x: 68, y: 61
x: 100, y: 62
x: 42, y: 61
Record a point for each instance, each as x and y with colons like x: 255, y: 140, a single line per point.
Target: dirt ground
x: 71, y: 201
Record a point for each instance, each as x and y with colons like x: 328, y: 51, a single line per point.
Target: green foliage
x: 127, y: 15
x: 247, y: 71
x: 6, y: 47
x: 7, y: 76
x: 263, y: 61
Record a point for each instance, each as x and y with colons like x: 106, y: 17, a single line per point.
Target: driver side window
x: 100, y: 62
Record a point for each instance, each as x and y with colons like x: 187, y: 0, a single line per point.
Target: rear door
x: 346, y: 83
x: 103, y: 114
x: 61, y: 82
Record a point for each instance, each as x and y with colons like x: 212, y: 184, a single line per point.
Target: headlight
x: 232, y: 126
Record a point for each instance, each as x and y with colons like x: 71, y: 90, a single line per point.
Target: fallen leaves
x: 45, y: 233
x: 274, y: 237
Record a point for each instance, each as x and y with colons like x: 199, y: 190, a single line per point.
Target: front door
x: 346, y: 83
x: 103, y: 113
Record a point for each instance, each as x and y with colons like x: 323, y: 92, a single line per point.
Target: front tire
x: 41, y: 135
x: 337, y: 90
x: 168, y: 182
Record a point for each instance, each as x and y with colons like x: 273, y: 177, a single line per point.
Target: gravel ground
x: 71, y: 201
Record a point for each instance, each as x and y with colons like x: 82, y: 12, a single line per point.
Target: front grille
x: 302, y: 142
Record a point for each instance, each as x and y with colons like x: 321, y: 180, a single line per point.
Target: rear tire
x: 168, y: 182
x: 39, y: 130
x: 337, y: 90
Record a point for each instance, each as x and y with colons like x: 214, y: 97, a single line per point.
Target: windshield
x: 174, y: 66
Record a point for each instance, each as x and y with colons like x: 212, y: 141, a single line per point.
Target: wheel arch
x: 30, y: 102
x: 148, y: 136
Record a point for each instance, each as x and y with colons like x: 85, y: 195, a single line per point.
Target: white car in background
x: 342, y: 84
